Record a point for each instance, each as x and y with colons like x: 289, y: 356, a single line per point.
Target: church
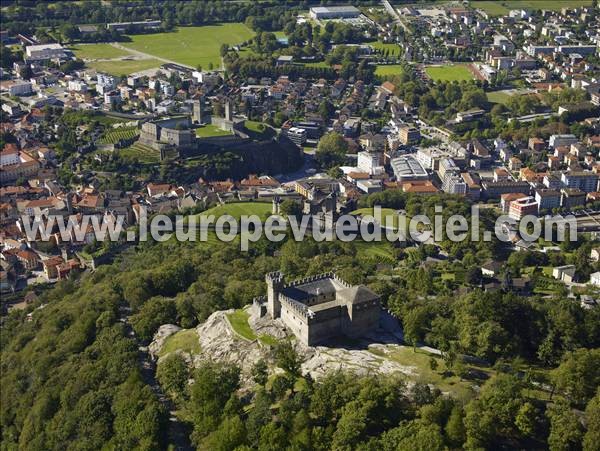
x: 320, y: 308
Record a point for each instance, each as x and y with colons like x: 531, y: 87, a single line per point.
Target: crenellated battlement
x: 259, y: 300
x: 275, y: 277
x: 309, y: 279
x: 298, y: 308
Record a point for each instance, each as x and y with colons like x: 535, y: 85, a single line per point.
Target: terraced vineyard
x: 145, y: 154
x: 115, y: 135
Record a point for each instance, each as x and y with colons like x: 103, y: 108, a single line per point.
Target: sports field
x: 192, y: 46
x: 124, y: 67
x: 499, y: 8
x: 389, y: 69
x: 98, y: 51
x: 451, y: 72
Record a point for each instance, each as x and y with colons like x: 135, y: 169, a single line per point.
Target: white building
x: 20, y: 88
x: 584, y: 180
x: 595, y: 278
x: 370, y: 162
x: 77, y: 85
x: 105, y: 83
x: 296, y: 135
x: 561, y: 140
x: 44, y: 52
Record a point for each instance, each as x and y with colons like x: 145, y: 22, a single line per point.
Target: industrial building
x: 334, y: 12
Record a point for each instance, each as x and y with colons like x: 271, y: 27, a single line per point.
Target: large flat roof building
x: 334, y: 12
x: 407, y: 168
x: 44, y: 52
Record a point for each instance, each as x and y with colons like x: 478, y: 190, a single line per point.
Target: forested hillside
x: 70, y: 373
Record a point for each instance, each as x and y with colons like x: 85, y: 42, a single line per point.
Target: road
x: 147, y: 55
x: 390, y: 9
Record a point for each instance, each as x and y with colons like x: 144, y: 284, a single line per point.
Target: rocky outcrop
x: 219, y: 342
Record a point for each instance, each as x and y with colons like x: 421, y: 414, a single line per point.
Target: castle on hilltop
x: 320, y: 307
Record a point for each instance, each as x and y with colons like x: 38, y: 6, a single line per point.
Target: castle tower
x: 275, y: 204
x: 198, y: 107
x: 274, y: 286
x: 228, y: 109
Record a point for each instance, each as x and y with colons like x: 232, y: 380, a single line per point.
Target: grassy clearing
x: 117, y: 134
x: 98, y: 51
x: 185, y: 340
x: 419, y: 360
x: 237, y: 209
x: 259, y: 130
x: 143, y: 153
x: 124, y: 67
x: 500, y: 8
x: 389, y: 69
x: 451, y: 72
x: 498, y: 97
x: 322, y: 64
x: 210, y: 131
x: 192, y: 45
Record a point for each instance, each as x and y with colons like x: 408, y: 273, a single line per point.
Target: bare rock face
x: 220, y: 343
x: 164, y: 332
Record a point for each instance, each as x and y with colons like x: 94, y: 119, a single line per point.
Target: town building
x: 296, y: 135
x: 585, y: 181
x: 409, y: 135
x: 547, y: 199
x: 522, y: 207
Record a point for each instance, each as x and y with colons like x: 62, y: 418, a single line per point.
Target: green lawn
x: 239, y: 322
x: 451, y: 72
x: 259, y: 130
x: 192, y: 45
x: 210, y: 131
x: 98, y: 51
x: 124, y: 67
x: 237, y: 209
x: 385, y: 214
x: 499, y: 8
x: 389, y: 69
x: 185, y: 340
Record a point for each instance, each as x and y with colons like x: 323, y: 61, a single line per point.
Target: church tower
x: 274, y: 286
